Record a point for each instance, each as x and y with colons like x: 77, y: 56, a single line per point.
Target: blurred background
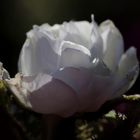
x: 18, y: 16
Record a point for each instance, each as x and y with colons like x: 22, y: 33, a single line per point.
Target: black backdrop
x: 18, y: 16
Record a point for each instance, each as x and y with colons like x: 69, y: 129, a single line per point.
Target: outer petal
x: 96, y: 93
x: 113, y: 44
x: 127, y: 72
x: 92, y: 89
x: 128, y: 61
x: 74, y: 77
x: 74, y: 55
x: 45, y: 95
x: 39, y: 53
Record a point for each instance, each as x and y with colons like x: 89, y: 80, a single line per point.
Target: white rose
x: 73, y: 67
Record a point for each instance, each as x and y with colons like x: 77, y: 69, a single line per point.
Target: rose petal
x: 127, y: 72
x: 39, y: 53
x: 92, y: 90
x: 122, y: 85
x: 84, y: 29
x: 100, y: 68
x: 74, y: 55
x: 128, y: 61
x: 71, y: 32
x: 96, y: 48
x: 46, y: 95
x: 113, y: 44
x: 74, y: 77
x: 54, y: 30
x: 96, y: 93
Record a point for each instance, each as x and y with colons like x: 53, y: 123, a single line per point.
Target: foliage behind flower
x: 73, y: 67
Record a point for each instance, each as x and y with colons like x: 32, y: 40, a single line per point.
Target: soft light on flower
x: 73, y: 67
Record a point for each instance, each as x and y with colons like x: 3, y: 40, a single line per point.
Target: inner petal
x: 74, y: 55
x: 113, y: 44
x: 96, y: 43
x: 71, y: 32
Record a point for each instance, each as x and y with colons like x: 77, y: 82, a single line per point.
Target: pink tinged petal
x: 74, y: 55
x: 39, y: 53
x: 92, y: 90
x: 96, y: 93
x: 96, y: 48
x: 74, y: 77
x: 113, y: 44
x: 47, y: 95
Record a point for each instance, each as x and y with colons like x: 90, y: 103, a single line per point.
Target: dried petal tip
x: 92, y: 17
x: 18, y: 91
x: 3, y: 72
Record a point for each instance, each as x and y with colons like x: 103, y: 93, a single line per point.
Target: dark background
x: 18, y: 16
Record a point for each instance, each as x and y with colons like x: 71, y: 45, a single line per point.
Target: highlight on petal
x: 84, y: 28
x: 113, y: 44
x: 74, y: 55
x: 100, y: 68
x: 44, y: 94
x: 70, y: 32
x: 27, y: 64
